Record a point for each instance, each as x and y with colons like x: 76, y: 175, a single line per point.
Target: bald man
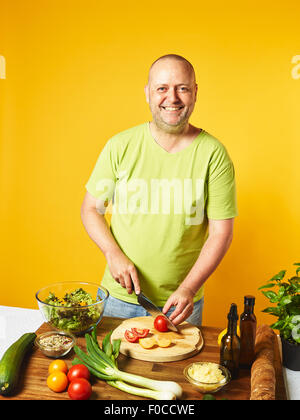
x: 171, y: 187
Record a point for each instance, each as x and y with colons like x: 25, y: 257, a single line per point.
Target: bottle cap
x: 249, y: 300
x: 233, y: 314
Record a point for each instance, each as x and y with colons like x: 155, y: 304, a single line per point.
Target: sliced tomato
x: 131, y: 336
x: 140, y: 332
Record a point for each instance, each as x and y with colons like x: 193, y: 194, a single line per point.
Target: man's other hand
x: 182, y: 298
x: 123, y: 271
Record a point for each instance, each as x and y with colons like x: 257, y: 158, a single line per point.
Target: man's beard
x: 171, y: 128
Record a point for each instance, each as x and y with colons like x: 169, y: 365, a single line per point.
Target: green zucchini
x: 11, y: 363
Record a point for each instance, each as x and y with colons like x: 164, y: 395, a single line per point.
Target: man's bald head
x: 172, y: 57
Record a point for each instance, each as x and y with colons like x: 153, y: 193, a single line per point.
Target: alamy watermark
x: 296, y: 69
x: 296, y: 328
x: 153, y: 196
x: 2, y: 67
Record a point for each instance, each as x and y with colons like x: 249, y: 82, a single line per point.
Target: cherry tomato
x: 131, y: 336
x: 141, y: 333
x: 78, y: 371
x: 57, y: 381
x: 58, y: 365
x: 80, y: 389
x: 161, y: 324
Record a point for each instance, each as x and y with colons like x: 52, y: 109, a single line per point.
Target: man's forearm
x: 209, y: 258
x: 98, y: 230
x: 120, y: 266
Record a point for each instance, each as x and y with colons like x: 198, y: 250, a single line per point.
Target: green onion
x: 106, y: 345
x: 142, y: 392
x: 102, y: 363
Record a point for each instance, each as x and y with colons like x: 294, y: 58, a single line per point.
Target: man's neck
x: 174, y: 142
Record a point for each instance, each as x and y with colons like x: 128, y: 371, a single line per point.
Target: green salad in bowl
x: 72, y: 306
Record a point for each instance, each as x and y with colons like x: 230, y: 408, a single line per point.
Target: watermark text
x: 296, y: 69
x: 2, y: 67
x: 153, y: 196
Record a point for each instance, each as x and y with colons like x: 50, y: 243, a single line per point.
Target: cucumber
x: 11, y: 363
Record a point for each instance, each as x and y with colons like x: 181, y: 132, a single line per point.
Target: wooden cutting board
x: 185, y: 344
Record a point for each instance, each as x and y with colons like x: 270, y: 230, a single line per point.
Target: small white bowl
x: 204, y: 387
x: 48, y: 351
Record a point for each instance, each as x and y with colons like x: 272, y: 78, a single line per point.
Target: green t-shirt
x: 161, y: 203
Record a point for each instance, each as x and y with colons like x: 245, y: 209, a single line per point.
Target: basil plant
x: 286, y: 295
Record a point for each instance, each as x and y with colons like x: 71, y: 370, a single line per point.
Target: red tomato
x: 78, y: 371
x: 131, y: 336
x: 161, y: 324
x: 141, y: 333
x: 80, y: 389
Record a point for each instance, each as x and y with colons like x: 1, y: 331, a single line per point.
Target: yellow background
x: 75, y: 73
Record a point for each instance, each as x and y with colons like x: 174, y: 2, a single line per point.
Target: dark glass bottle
x: 230, y: 344
x: 248, y: 333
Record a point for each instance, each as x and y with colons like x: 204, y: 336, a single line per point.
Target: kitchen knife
x: 153, y: 310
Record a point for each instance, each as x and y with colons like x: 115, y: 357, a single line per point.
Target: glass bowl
x: 55, y: 344
x: 205, y: 387
x: 78, y: 315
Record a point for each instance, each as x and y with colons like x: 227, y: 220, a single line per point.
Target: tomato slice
x: 140, y: 332
x: 131, y: 336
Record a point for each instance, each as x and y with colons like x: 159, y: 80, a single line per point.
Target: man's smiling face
x: 171, y: 94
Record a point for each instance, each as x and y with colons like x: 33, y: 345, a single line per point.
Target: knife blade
x: 154, y: 310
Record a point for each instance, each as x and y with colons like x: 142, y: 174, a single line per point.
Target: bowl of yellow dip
x: 207, y: 377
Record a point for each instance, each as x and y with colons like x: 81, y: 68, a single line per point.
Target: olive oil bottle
x: 230, y: 344
x: 248, y: 333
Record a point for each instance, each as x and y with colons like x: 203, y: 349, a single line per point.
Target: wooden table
x: 35, y: 371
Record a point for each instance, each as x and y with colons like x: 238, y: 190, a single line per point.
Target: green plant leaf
x: 268, y: 310
x: 281, y: 292
x: 271, y: 295
x: 266, y: 286
x: 285, y: 300
x: 277, y: 325
x: 272, y: 311
x: 279, y: 276
x: 296, y: 263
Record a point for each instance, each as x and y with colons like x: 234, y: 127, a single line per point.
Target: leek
x: 102, y: 363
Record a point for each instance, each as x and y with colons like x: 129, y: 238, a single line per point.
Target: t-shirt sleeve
x: 101, y: 184
x: 221, y: 187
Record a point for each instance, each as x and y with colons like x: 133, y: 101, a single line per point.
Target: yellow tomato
x: 163, y: 342
x: 147, y: 343
x: 58, y: 366
x: 57, y: 381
